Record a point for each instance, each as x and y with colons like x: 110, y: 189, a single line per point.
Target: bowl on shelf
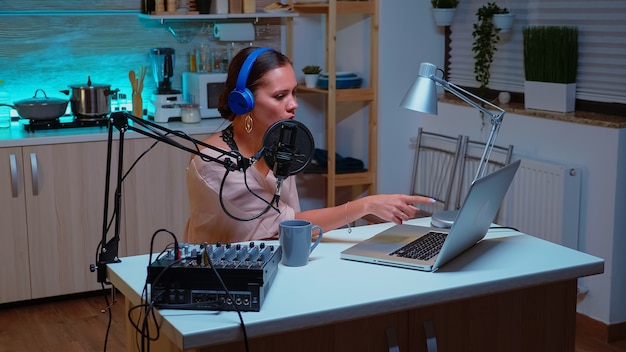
x: 345, y: 80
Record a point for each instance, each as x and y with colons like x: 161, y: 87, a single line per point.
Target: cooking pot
x: 37, y: 108
x: 90, y: 101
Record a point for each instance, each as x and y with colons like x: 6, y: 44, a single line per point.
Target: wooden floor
x: 77, y: 324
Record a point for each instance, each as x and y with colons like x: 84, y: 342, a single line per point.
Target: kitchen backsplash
x: 50, y: 45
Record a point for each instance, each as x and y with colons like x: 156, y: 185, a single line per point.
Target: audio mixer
x: 246, y: 273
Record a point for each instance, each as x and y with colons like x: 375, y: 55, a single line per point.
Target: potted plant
x: 503, y: 20
x: 485, y: 39
x: 311, y: 73
x: 443, y: 11
x: 550, y: 67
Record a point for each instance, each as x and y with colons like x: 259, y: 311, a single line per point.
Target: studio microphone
x: 285, y: 151
x: 288, y: 148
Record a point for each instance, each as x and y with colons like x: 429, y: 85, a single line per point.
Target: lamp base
x: 444, y: 219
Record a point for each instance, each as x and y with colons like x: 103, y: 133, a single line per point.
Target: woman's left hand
x: 395, y: 207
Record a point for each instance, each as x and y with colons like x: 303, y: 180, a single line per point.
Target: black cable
x: 148, y: 307
x: 142, y: 325
x: 115, y: 213
x: 243, y: 325
x: 267, y: 208
x: 108, y: 308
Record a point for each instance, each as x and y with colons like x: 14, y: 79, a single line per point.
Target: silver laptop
x: 429, y: 248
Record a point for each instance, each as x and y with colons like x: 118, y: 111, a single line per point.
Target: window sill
x: 580, y: 117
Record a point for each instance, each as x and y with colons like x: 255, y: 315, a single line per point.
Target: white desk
x: 330, y: 298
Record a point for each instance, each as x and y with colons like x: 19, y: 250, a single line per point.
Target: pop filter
x: 288, y: 148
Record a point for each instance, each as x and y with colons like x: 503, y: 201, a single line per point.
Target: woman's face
x: 275, y: 97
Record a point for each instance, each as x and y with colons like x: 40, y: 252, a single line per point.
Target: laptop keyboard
x: 422, y: 248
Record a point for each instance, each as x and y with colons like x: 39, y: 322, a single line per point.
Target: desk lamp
x: 422, y: 97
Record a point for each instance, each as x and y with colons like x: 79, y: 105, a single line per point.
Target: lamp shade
x: 422, y: 96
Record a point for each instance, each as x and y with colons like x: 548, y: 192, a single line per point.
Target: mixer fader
x: 246, y: 272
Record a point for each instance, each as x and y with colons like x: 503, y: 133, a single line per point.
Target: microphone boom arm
x: 120, y: 120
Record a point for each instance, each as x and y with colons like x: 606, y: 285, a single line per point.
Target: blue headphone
x: 241, y: 99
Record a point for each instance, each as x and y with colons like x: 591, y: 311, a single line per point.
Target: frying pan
x: 37, y: 108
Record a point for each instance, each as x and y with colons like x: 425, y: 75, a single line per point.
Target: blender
x: 165, y: 100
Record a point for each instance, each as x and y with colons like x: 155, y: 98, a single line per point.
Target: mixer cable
x: 146, y: 315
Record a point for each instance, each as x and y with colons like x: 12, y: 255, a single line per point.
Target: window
x: 602, y: 45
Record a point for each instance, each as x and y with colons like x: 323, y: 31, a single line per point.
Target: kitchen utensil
x: 142, y: 76
x: 136, y: 81
x: 133, y: 80
x: 91, y: 100
x: 37, y: 108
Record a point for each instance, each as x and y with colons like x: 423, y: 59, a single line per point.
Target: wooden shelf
x: 342, y: 7
x: 331, y: 12
x: 210, y: 17
x: 358, y: 94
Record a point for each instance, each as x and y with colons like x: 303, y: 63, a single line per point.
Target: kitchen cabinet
x: 338, y: 100
x: 155, y: 194
x: 14, y: 266
x: 53, y: 205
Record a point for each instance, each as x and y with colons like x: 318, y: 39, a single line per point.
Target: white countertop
x: 330, y: 289
x: 17, y: 136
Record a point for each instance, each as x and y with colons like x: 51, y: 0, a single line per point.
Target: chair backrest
x: 472, y: 152
x: 434, y: 167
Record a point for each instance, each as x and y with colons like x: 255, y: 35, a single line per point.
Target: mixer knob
x: 253, y: 254
x: 242, y: 253
x: 218, y: 253
x: 230, y: 253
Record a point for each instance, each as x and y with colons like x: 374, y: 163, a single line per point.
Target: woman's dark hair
x: 265, y: 62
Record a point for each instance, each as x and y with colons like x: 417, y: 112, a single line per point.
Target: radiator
x: 544, y: 201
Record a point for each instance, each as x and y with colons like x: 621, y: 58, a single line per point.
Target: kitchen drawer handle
x: 431, y: 338
x: 35, y: 173
x: 13, y: 163
x: 392, y: 340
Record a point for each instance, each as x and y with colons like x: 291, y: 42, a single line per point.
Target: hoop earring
x: 249, y: 123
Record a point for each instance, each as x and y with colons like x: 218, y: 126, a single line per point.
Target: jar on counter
x: 190, y: 113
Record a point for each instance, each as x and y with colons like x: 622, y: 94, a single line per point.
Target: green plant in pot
x: 311, y: 70
x: 444, y: 4
x: 486, y: 37
x: 311, y: 73
x: 443, y: 11
x: 550, y: 67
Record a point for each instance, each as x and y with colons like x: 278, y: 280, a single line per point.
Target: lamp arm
x: 496, y: 119
x: 463, y: 95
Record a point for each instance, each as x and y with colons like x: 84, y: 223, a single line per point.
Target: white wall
x: 408, y: 37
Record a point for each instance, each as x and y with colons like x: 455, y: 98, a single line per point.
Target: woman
x: 270, y: 78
